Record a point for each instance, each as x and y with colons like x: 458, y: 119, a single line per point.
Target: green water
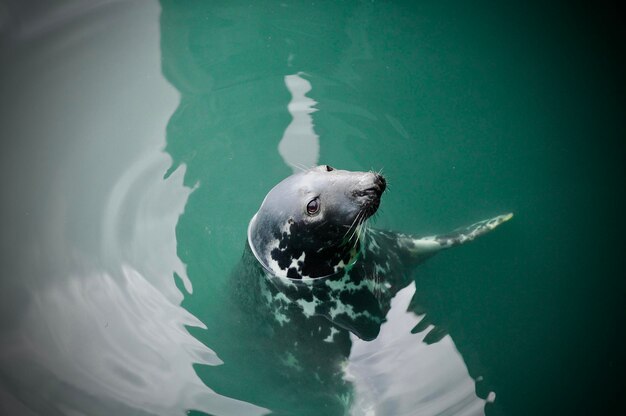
x: 139, y: 139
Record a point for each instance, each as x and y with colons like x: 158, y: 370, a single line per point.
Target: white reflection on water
x: 299, y: 146
x: 137, y: 212
x: 398, y: 374
x: 113, y: 340
x: 107, y: 343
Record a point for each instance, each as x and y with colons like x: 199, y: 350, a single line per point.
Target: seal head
x: 308, y: 225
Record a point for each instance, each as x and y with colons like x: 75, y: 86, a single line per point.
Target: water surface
x: 139, y: 139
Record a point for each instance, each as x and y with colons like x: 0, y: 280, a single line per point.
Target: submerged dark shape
x: 313, y: 272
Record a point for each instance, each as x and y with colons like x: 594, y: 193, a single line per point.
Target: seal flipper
x: 421, y: 248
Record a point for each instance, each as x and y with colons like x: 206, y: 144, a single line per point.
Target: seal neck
x: 271, y: 266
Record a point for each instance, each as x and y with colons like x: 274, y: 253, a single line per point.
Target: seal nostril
x: 329, y: 168
x: 380, y: 181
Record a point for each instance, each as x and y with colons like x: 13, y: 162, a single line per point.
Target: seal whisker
x: 357, y: 230
x: 365, y: 229
x: 361, y: 228
x: 355, y: 226
x: 356, y: 235
x: 361, y: 231
x: 350, y: 228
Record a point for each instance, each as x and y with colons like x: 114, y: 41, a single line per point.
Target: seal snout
x: 373, y: 187
x: 380, y: 182
x: 369, y: 193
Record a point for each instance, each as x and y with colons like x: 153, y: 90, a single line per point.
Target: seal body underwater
x: 313, y: 272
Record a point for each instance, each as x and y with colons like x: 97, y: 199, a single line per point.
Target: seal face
x: 308, y: 225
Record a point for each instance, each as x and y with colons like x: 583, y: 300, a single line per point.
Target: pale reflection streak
x: 141, y: 213
x: 114, y: 340
x: 299, y: 146
x: 398, y: 374
x: 103, y: 344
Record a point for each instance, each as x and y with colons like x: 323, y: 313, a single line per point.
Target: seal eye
x: 313, y: 207
x: 329, y: 168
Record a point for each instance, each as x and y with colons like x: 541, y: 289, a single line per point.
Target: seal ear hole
x: 329, y: 168
x: 313, y: 207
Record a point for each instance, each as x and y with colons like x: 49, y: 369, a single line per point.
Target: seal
x: 312, y: 274
x: 311, y: 239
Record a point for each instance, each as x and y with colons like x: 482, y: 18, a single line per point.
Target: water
x: 139, y: 138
